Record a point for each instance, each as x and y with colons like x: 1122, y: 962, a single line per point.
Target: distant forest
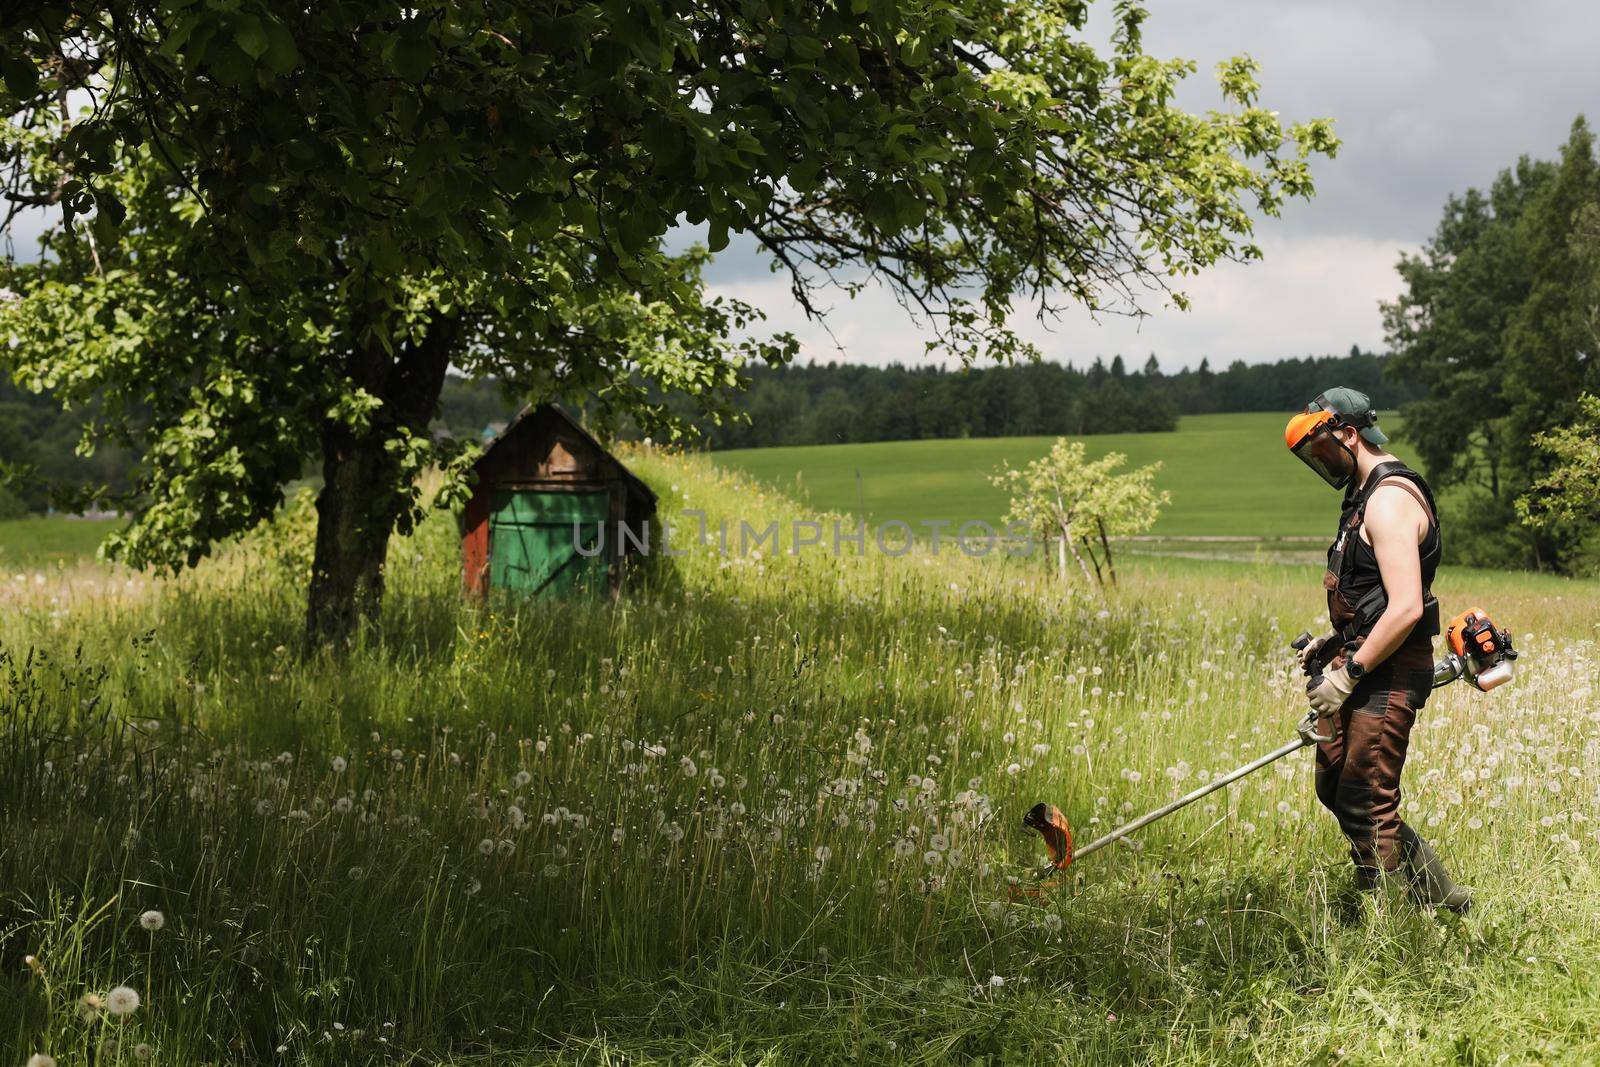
x: 831, y: 403
x: 818, y: 403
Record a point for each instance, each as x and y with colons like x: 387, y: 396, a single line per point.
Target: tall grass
x: 761, y: 808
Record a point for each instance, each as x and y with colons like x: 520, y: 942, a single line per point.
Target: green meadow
x: 761, y: 810
x: 38, y: 541
x: 1229, y: 475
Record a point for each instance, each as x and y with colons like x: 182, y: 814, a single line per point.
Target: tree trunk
x: 1088, y: 550
x: 356, y: 512
x: 365, y: 488
x: 1105, y: 543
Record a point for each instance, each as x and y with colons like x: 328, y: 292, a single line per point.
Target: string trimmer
x: 1478, y: 652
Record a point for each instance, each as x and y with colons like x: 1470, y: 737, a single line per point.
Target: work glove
x: 1328, y: 693
x: 1308, y: 655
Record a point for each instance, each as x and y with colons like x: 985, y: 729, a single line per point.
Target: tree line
x: 829, y: 403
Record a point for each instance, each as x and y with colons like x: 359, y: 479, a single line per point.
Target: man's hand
x: 1308, y: 654
x: 1331, y: 691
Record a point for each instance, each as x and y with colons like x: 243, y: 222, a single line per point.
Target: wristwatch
x: 1355, y: 670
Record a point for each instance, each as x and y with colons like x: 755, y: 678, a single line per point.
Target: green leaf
x: 108, y: 205
x: 282, y: 54
x: 413, y: 57
x: 21, y: 76
x: 250, y: 36
x: 717, y: 238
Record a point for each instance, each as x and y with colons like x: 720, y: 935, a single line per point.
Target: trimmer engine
x: 1479, y: 652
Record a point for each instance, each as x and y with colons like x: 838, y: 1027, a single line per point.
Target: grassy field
x: 763, y: 810
x: 40, y: 541
x: 1228, y: 475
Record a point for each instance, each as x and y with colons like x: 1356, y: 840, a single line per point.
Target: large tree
x: 1496, y: 321
x: 281, y: 223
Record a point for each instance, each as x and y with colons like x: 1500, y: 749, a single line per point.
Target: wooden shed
x: 548, y: 511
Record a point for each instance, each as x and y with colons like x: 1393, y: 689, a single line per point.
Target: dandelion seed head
x: 122, y: 1001
x: 152, y: 920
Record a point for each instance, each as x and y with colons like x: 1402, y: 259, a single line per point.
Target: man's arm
x: 1395, y: 523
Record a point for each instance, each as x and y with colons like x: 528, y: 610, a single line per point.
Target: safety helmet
x: 1310, y: 434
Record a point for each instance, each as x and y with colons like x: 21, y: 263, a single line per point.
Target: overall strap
x: 1356, y: 513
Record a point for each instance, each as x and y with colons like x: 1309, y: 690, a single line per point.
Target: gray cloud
x: 1429, y: 99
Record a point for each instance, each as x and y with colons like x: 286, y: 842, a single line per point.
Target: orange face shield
x: 1310, y: 436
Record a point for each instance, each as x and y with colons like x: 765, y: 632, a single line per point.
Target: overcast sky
x: 1429, y: 98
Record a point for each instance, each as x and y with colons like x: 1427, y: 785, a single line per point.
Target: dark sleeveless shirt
x: 1354, y: 563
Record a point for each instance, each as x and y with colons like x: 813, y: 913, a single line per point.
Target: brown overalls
x: 1358, y: 772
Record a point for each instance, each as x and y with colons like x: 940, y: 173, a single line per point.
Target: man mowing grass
x: 1374, y: 671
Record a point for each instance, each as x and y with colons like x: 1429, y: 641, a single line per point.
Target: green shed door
x: 533, y: 549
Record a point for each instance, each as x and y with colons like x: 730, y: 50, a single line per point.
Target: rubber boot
x: 1430, y: 883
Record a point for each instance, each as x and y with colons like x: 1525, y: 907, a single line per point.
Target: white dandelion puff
x: 152, y: 920
x: 122, y: 1001
x: 486, y: 846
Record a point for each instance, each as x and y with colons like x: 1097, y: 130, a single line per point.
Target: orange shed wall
x: 475, y: 544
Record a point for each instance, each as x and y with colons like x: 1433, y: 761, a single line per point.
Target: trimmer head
x: 1052, y: 826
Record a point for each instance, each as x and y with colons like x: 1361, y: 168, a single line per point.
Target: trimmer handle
x: 1299, y: 644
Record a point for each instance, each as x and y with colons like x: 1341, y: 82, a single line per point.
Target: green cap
x: 1354, y: 404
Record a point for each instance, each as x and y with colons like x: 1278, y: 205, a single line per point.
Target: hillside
x: 1229, y: 475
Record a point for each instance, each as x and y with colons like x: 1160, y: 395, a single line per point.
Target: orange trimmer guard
x: 1052, y: 826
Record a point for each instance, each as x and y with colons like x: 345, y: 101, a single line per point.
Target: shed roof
x: 541, y: 412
